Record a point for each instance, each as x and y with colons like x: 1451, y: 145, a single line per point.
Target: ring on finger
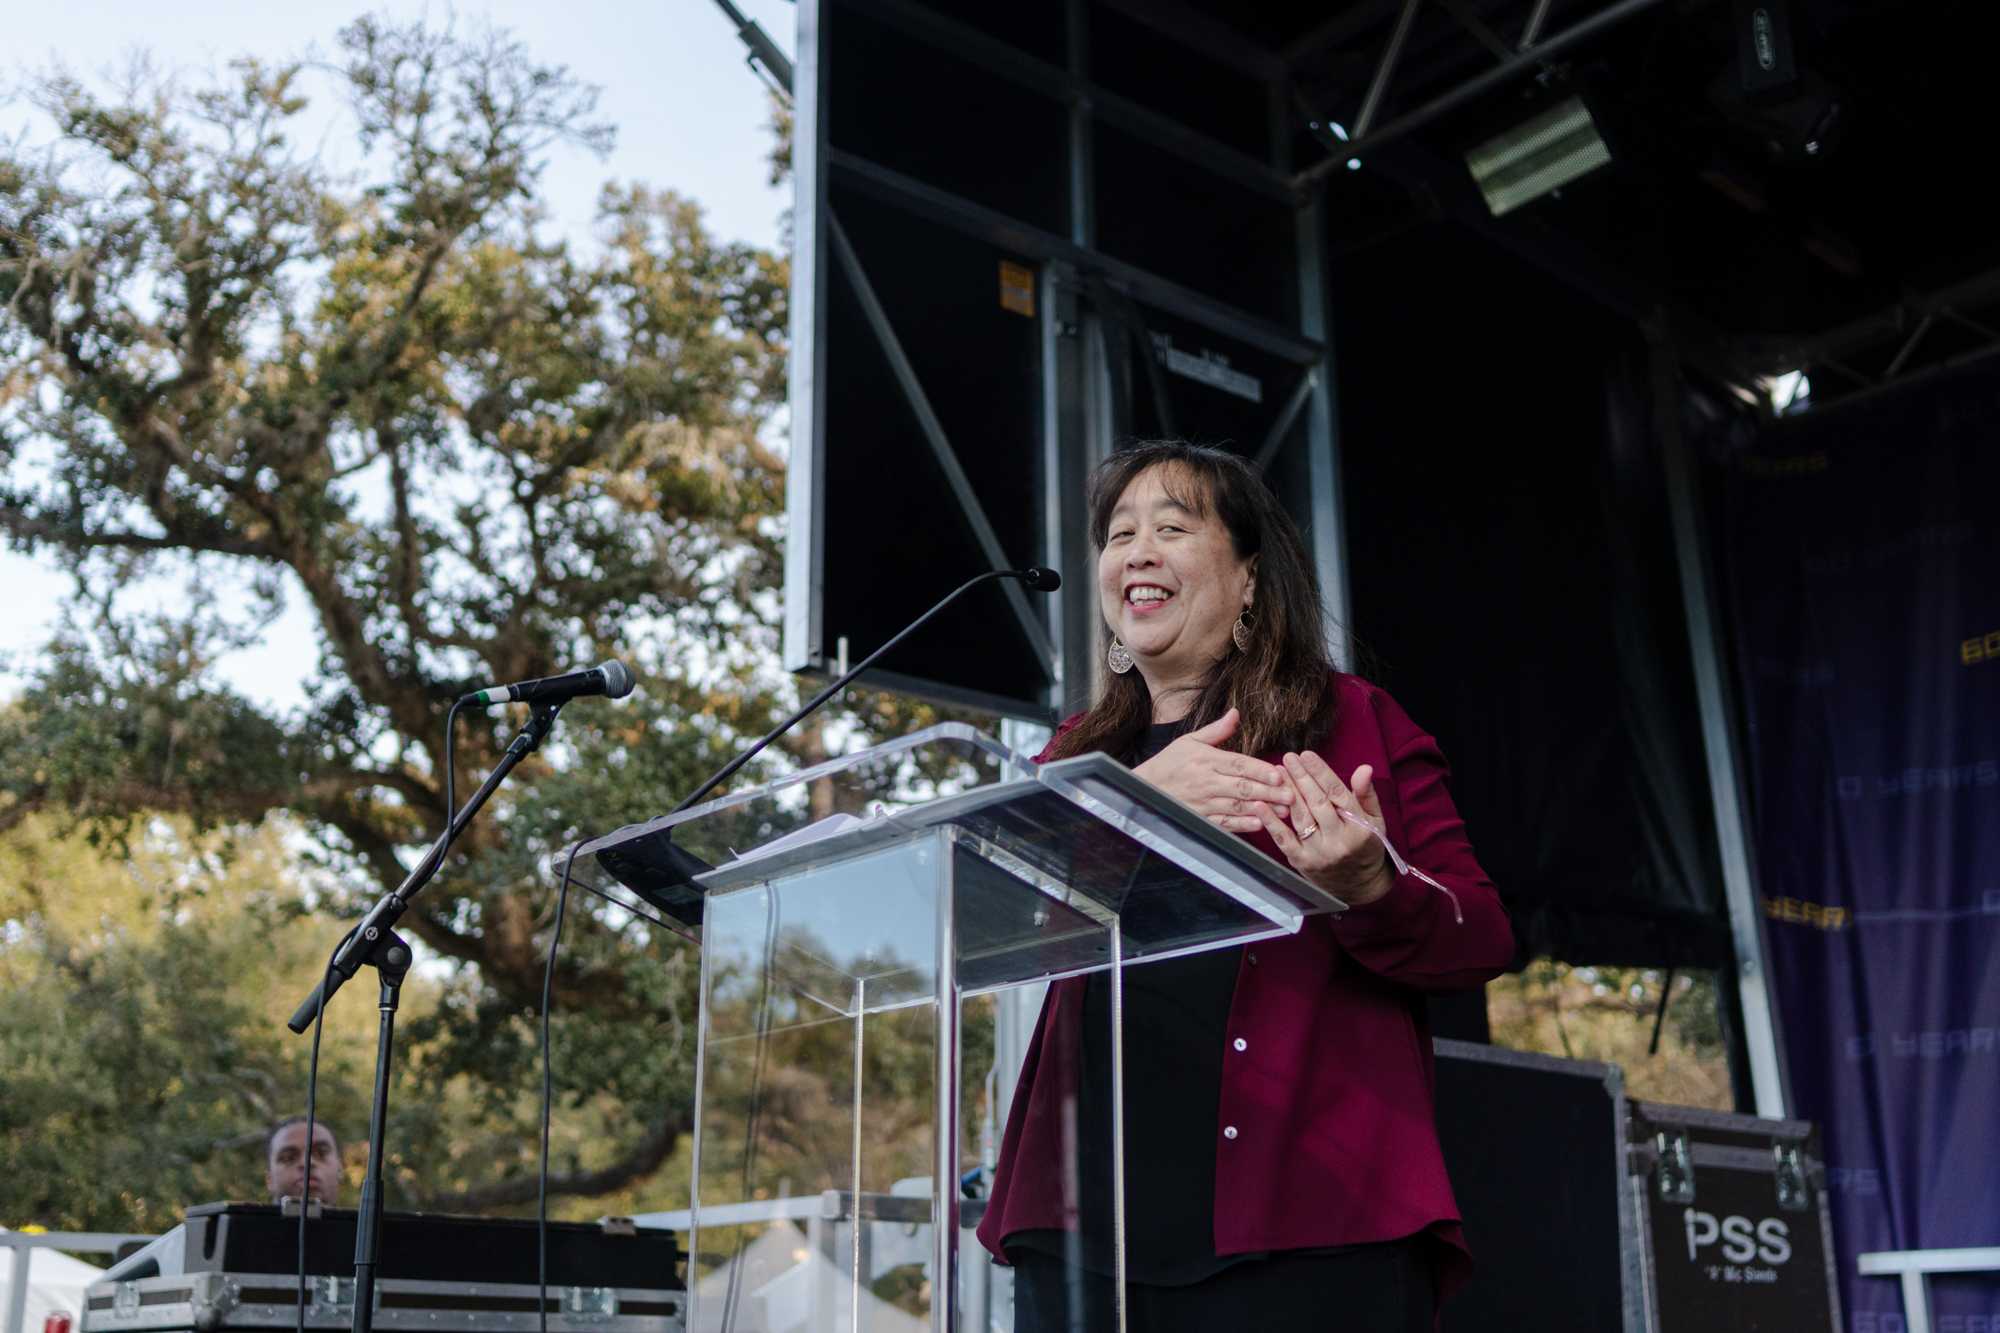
x: 1311, y: 788
x: 1305, y: 833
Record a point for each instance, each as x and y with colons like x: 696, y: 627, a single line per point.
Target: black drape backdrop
x: 1514, y: 584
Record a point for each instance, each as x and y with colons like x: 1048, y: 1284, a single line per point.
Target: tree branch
x: 29, y: 530
x: 247, y: 805
x: 640, y: 1160
x: 407, y: 561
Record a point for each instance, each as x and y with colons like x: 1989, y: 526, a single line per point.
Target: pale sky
x: 690, y: 116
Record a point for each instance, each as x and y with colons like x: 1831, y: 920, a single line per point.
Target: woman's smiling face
x: 1171, y: 582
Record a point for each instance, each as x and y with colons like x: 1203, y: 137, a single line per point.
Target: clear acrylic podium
x: 851, y: 916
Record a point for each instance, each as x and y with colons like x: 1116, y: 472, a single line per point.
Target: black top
x: 1176, y: 1024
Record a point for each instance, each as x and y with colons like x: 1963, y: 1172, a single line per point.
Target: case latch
x: 1793, y: 1194
x: 332, y: 1293
x: 1673, y: 1172
x: 590, y: 1305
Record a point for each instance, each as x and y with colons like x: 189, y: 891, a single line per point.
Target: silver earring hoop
x: 1239, y: 633
x: 1118, y: 657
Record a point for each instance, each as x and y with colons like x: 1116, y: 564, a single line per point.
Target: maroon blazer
x: 1326, y: 1133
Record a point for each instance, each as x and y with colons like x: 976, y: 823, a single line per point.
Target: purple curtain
x: 1858, y: 554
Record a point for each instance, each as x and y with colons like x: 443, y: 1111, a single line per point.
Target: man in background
x: 290, y: 1171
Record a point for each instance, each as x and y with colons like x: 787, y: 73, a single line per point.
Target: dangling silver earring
x: 1239, y: 633
x: 1118, y: 657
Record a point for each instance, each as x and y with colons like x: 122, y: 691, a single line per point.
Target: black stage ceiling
x: 1816, y: 222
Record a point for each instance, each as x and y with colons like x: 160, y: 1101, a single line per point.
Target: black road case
x: 234, y: 1266
x: 1735, y: 1221
x: 1590, y: 1212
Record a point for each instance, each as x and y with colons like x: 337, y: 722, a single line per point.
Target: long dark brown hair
x: 1280, y: 682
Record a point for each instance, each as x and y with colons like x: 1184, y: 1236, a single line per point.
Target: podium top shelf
x: 1085, y: 833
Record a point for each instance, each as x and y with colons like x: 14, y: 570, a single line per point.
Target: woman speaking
x: 1283, y: 1164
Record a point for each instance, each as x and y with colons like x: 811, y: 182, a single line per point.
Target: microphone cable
x: 546, y: 1052
x: 548, y: 1099
x: 1042, y: 580
x: 760, y: 1054
x: 450, y: 755
x: 312, y: 1110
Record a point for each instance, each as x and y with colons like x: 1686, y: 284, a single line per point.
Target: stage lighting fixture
x: 1337, y: 131
x: 1537, y: 156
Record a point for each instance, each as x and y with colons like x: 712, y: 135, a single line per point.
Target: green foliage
x: 141, y: 1002
x: 231, y: 378
x: 128, y: 1024
x: 1608, y: 1014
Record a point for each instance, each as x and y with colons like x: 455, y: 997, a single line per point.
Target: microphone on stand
x: 1037, y: 578
x: 611, y: 680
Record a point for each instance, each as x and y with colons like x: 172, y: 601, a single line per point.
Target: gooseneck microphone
x: 1041, y: 580
x: 611, y: 680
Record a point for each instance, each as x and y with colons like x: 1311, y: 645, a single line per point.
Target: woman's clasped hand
x: 1339, y: 855
x: 1298, y: 804
x: 1230, y: 790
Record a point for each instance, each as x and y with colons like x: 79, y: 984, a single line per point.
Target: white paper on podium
x: 831, y: 826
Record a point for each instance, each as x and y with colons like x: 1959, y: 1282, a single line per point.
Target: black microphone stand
x: 392, y: 963
x: 354, y: 953
x: 374, y: 943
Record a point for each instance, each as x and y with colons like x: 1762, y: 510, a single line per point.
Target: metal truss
x: 1530, y: 53
x: 1908, y: 324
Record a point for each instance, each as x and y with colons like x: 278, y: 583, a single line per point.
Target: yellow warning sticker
x: 1017, y: 288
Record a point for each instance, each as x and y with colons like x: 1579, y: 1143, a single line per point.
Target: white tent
x: 788, y: 1287
x: 55, y: 1285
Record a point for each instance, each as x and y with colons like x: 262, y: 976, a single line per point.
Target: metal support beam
x: 945, y: 1196
x: 1326, y: 518
x: 1274, y: 438
x: 21, y: 1247
x: 1202, y: 33
x: 805, y: 495
x: 1017, y: 66
x: 1386, y: 69
x: 977, y: 220
x: 1078, y: 380
x: 1529, y: 59
x: 1914, y: 1268
x: 1761, y: 1027
x: 1082, y: 136
x: 1903, y: 353
x: 1066, y: 460
x: 1536, y: 18
x: 1917, y: 1302
x: 933, y: 429
x: 764, y: 52
x: 1965, y: 321
x: 1346, y: 22
x: 1124, y: 311
x: 1870, y: 330
x: 18, y: 1272
x: 1190, y: 145
x: 1873, y: 389
x: 1472, y: 23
